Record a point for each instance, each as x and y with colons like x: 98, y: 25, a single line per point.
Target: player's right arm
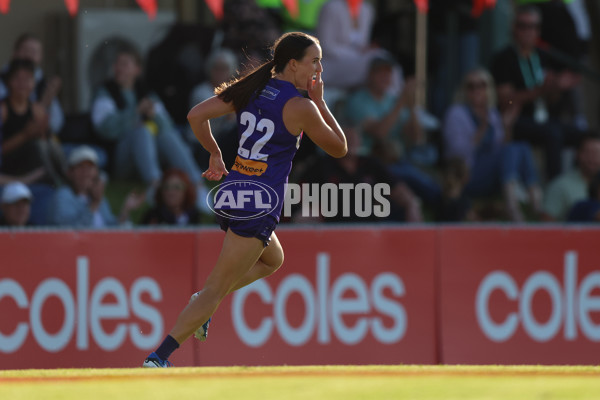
x: 198, y: 118
x: 314, y: 118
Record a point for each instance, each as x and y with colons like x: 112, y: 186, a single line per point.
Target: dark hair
x: 129, y: 50
x: 140, y: 88
x: 291, y: 45
x: 19, y: 64
x: 189, y: 199
x: 23, y: 38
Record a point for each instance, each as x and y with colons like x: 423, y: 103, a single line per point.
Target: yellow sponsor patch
x: 249, y: 167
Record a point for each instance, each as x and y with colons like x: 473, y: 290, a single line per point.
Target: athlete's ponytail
x: 290, y: 46
x: 241, y: 90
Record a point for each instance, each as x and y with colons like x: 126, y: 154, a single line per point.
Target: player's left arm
x: 314, y: 118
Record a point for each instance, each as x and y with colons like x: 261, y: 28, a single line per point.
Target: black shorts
x: 260, y: 228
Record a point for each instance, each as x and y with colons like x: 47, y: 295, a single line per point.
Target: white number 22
x: 265, y: 126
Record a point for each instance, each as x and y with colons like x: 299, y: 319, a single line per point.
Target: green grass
x: 318, y: 382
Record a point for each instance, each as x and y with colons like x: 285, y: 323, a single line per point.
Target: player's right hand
x: 216, y: 168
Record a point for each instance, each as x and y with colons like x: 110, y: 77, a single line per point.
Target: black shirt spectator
x: 506, y: 69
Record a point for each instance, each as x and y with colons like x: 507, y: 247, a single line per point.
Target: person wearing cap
x: 81, y: 203
x: 15, y: 205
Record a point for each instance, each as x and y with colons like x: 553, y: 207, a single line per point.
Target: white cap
x: 14, y: 192
x: 83, y: 153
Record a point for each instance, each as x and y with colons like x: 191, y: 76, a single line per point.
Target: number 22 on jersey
x: 264, y: 126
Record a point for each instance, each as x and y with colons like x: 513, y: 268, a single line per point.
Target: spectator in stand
x: 81, y: 203
x: 526, y: 83
x: 588, y: 210
x: 175, y: 202
x: 565, y: 27
x: 30, y: 47
x: 26, y: 145
x: 391, y: 127
x: 572, y: 186
x: 41, y: 192
x: 16, y: 205
x: 565, y: 35
x: 123, y: 111
x: 221, y: 67
x: 346, y: 41
x: 475, y: 132
x: 356, y: 168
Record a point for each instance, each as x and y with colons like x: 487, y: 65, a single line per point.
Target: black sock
x: 168, y: 346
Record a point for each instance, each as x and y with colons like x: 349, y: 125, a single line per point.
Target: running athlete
x: 272, y: 115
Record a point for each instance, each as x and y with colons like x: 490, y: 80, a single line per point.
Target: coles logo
x: 325, y: 304
x: 84, y: 312
x: 254, y: 198
x: 572, y: 305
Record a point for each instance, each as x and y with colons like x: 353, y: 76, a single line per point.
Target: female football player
x: 272, y: 115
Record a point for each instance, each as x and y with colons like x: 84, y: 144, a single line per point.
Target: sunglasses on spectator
x: 476, y: 85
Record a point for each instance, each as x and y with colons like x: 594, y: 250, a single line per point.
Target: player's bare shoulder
x: 297, y: 111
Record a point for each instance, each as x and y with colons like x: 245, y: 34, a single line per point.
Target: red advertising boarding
x: 343, y: 296
x: 520, y: 296
x: 91, y: 299
x: 106, y: 299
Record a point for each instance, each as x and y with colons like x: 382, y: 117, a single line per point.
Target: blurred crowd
x: 504, y: 141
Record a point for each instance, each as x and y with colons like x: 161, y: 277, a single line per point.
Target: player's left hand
x: 315, y: 88
x: 216, y: 168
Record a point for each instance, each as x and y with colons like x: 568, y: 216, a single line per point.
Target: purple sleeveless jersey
x: 256, y: 182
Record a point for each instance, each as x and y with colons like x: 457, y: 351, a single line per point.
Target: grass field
x: 316, y: 382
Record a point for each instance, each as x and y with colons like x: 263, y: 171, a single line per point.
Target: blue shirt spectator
x: 81, y: 203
